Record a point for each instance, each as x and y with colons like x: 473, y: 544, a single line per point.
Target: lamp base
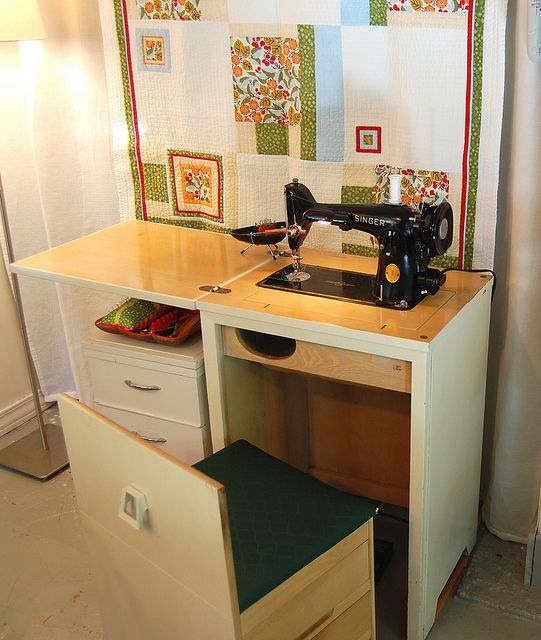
x: 28, y: 456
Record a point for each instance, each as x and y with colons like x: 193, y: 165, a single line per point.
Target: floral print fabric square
x: 440, y: 6
x: 266, y: 87
x: 418, y: 185
x: 196, y: 184
x: 153, y: 50
x: 169, y: 9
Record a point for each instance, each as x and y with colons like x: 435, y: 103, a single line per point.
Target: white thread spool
x: 395, y: 196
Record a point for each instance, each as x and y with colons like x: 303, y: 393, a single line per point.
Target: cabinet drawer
x: 168, y: 395
x: 318, y: 603
x: 318, y: 360
x: 189, y: 444
x: 354, y: 624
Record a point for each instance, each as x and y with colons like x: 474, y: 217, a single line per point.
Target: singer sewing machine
x: 407, y: 240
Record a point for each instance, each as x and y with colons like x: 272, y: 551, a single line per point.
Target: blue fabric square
x: 355, y: 12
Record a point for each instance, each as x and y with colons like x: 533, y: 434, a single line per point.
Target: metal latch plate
x: 214, y: 289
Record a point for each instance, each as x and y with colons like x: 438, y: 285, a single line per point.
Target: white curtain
x: 19, y: 67
x: 512, y: 460
x: 56, y: 165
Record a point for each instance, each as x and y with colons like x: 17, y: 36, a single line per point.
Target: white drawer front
x: 167, y: 395
x: 188, y: 444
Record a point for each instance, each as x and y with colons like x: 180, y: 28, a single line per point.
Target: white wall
x: 15, y: 395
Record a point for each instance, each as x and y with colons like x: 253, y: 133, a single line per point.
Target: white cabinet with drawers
x: 154, y: 390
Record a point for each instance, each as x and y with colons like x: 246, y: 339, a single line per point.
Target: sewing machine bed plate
x: 324, y: 282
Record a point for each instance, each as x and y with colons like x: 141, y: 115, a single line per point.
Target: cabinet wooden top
x: 146, y: 260
x: 421, y: 324
x: 169, y: 264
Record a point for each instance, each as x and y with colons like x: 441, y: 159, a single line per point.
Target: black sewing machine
x: 407, y: 240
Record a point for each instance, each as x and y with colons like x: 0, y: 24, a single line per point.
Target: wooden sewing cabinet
x: 387, y: 404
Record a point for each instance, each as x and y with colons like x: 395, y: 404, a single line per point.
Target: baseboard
x: 17, y: 414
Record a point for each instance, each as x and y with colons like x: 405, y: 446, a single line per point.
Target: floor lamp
x: 42, y: 452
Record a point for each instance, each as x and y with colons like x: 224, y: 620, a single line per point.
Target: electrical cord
x: 476, y: 271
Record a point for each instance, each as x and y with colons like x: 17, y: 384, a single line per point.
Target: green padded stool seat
x: 280, y: 518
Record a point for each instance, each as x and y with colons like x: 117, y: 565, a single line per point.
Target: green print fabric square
x: 272, y: 139
x: 155, y: 176
x: 351, y: 195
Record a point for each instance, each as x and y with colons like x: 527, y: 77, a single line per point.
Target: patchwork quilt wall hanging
x: 217, y: 104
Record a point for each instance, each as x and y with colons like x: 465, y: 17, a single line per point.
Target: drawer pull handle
x: 133, y: 505
x: 150, y: 438
x: 142, y: 387
x: 317, y: 623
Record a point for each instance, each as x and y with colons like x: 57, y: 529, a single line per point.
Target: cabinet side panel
x: 457, y: 401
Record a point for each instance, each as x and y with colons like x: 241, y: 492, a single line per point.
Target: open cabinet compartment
x: 356, y: 437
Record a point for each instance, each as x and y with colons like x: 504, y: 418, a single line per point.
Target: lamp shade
x: 20, y: 20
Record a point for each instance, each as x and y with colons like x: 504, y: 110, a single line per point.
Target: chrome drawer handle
x: 317, y: 623
x: 150, y: 438
x: 142, y: 387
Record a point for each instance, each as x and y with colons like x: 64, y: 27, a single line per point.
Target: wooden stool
x: 286, y: 557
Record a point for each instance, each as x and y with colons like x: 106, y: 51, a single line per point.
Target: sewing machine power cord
x: 476, y: 271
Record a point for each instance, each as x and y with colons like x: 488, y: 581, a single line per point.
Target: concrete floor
x: 495, y: 578
x: 47, y: 593
x: 46, y: 589
x: 463, y: 618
